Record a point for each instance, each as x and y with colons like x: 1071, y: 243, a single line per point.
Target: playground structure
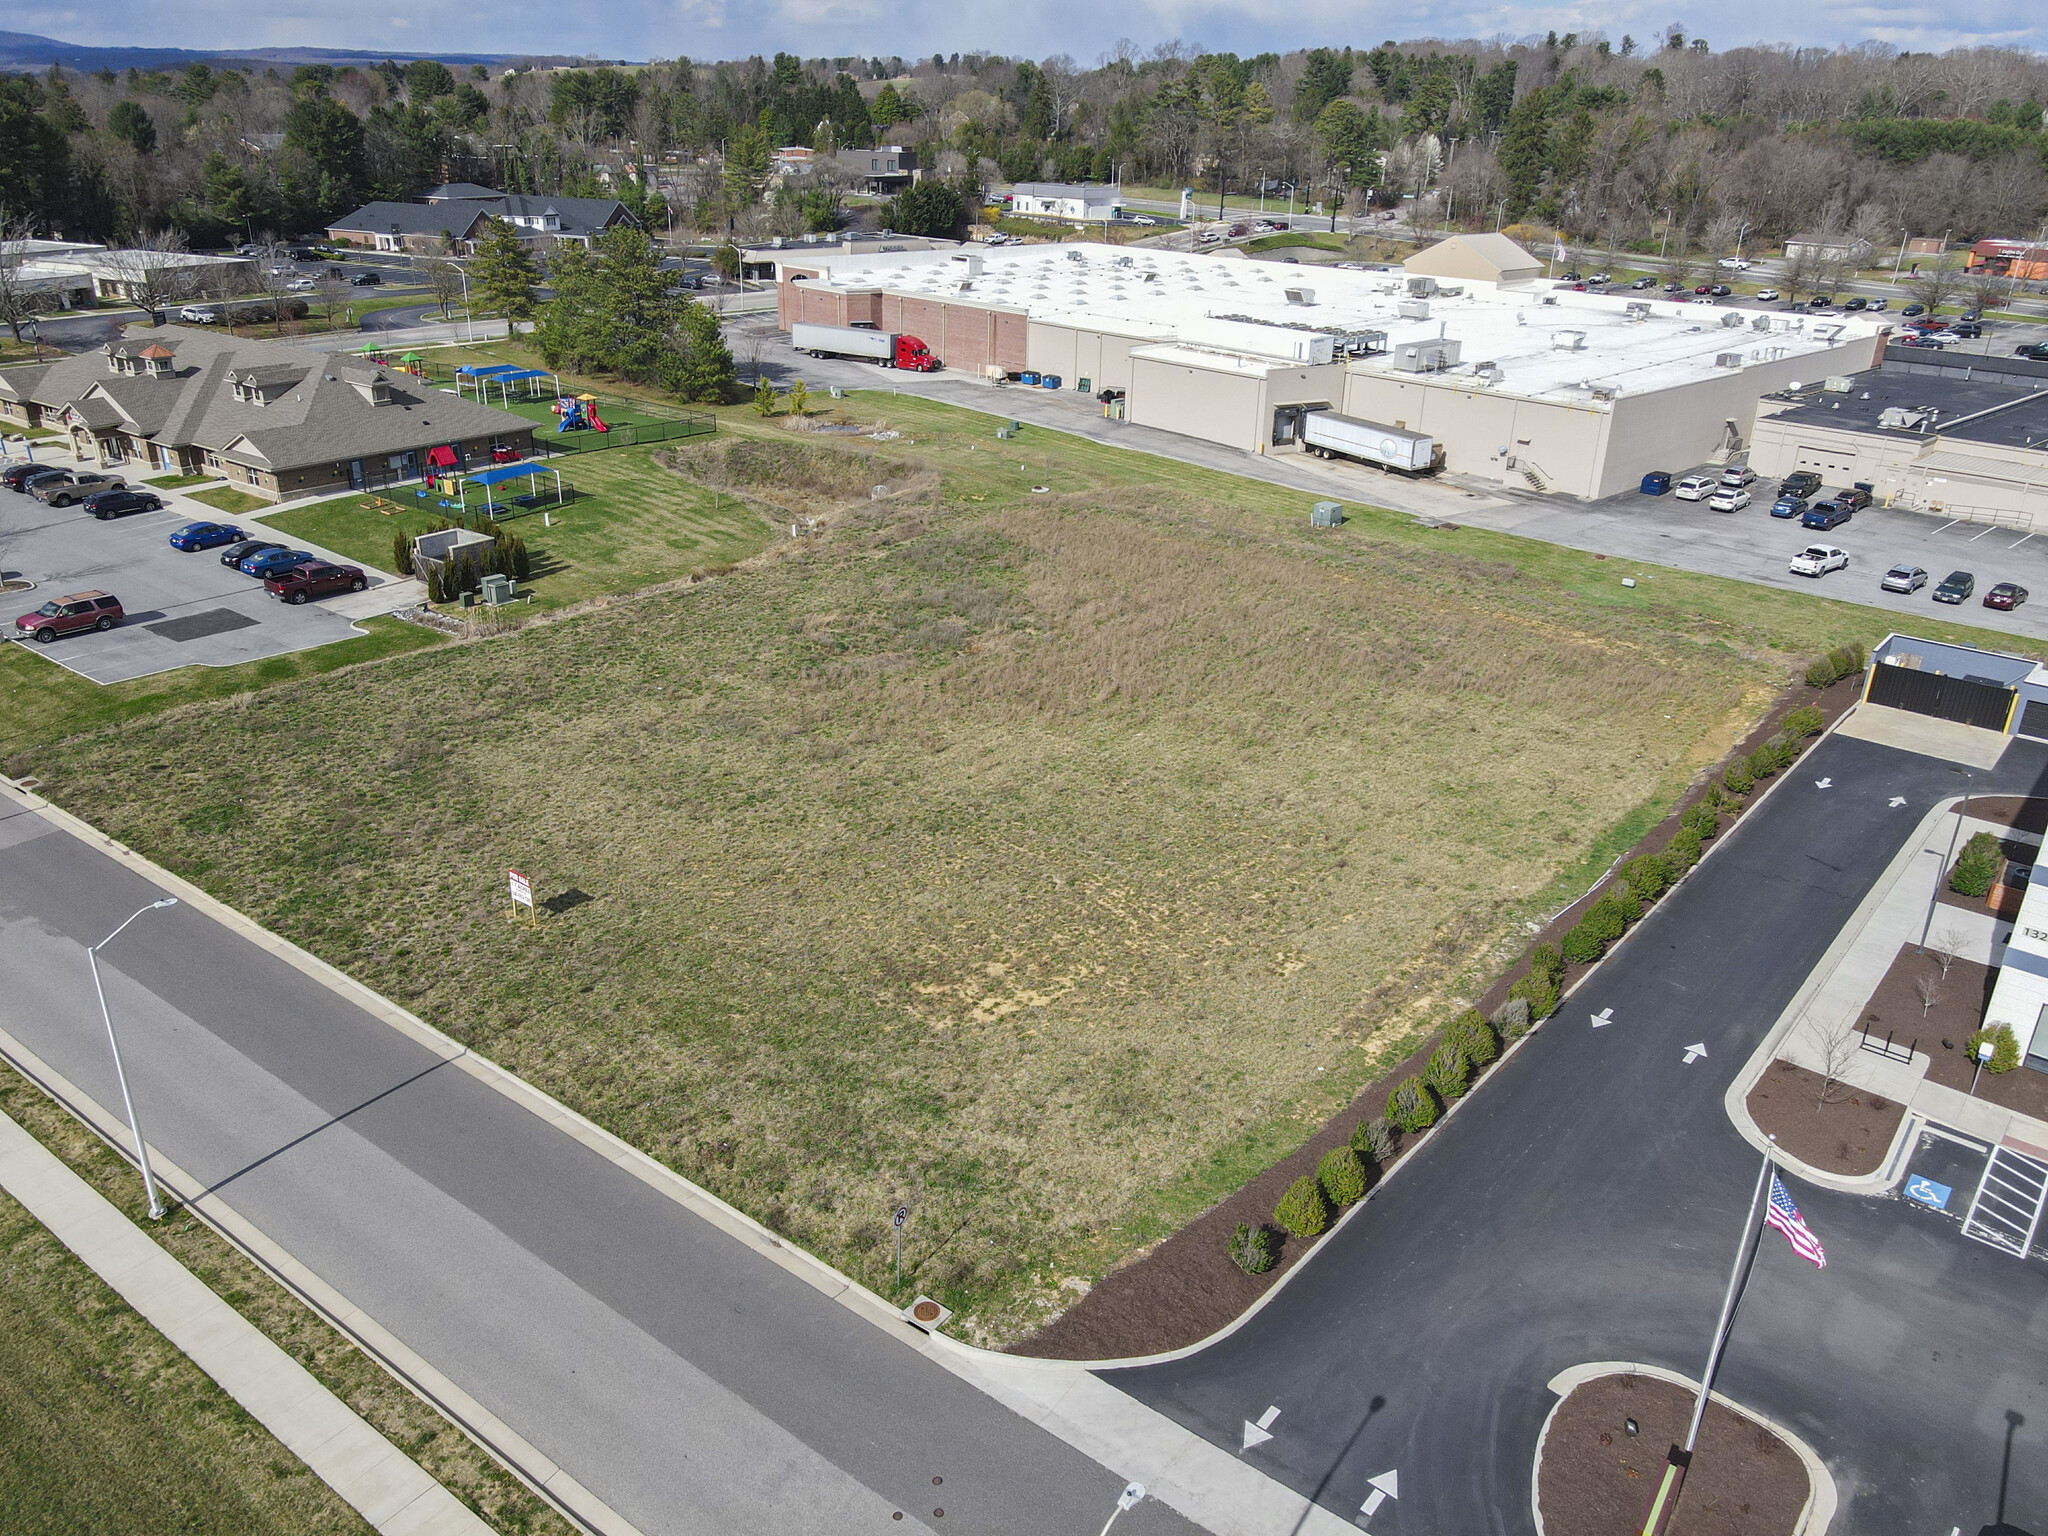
x: 405, y: 362
x: 532, y: 383
x: 579, y: 414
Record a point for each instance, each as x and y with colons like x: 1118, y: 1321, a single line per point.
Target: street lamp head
x: 168, y: 901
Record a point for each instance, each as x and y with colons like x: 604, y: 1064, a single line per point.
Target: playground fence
x: 623, y: 434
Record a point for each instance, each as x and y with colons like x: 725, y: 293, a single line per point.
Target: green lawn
x: 106, y: 1426
x: 630, y: 524
x: 179, y: 482
x: 42, y: 702
x: 227, y: 499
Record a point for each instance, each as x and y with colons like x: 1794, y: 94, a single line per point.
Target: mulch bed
x: 1849, y: 1135
x: 2008, y: 886
x: 2021, y: 813
x: 1184, y: 1288
x: 1941, y: 1034
x: 1597, y: 1480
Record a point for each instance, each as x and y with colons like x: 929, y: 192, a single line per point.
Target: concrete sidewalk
x: 382, y: 1484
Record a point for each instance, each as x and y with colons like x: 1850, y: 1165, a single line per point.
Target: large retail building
x: 1518, y: 381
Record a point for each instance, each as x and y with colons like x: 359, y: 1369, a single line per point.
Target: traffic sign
x: 901, y: 1217
x: 1927, y: 1192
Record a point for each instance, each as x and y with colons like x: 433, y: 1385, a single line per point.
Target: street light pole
x: 156, y: 1206
x: 1666, y: 240
x: 1969, y: 784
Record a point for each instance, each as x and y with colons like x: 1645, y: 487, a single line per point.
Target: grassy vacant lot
x: 1048, y: 861
x: 105, y: 1426
x: 632, y: 523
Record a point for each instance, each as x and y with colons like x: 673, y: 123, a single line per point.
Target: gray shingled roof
x: 579, y: 216
x: 427, y: 219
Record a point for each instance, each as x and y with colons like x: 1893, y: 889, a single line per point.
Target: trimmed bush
x: 2005, y: 1047
x: 1410, y: 1107
x: 1785, y: 750
x: 1738, y: 780
x: 1763, y: 762
x: 1645, y: 876
x: 1374, y: 1138
x: 1253, y: 1249
x: 401, y: 554
x: 1447, y: 1071
x: 1302, y: 1210
x: 1976, y: 867
x: 1514, y: 1017
x: 1804, y: 721
x: 1586, y: 942
x: 1342, y: 1176
x: 1475, y: 1039
x: 1843, y: 661
x: 1547, y: 962
x: 1538, y: 994
x: 1681, y: 853
x: 1703, y: 820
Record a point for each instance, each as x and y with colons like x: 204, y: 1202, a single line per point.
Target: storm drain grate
x: 197, y: 626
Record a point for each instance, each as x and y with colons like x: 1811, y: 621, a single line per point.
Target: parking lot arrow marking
x: 1897, y: 801
x: 1603, y: 1018
x: 1694, y: 1052
x: 1384, y: 1487
x: 1823, y: 783
x: 1261, y: 1432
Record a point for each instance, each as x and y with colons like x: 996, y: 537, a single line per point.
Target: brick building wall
x: 963, y: 336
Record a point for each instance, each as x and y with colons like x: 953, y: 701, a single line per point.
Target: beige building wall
x: 1101, y: 357
x: 1499, y: 436
x: 1952, y: 477
x: 1225, y: 406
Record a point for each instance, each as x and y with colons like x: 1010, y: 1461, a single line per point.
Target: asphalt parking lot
x: 182, y: 609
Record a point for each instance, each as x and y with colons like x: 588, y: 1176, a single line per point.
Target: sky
x: 1084, y: 29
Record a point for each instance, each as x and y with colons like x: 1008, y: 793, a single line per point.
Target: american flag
x: 1784, y: 1215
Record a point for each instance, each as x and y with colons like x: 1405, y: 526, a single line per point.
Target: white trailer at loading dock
x: 1330, y: 435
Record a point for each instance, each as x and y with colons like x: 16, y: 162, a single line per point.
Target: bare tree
x: 155, y: 271
x: 443, y: 279
x: 1834, y: 1047
x: 274, y: 272
x: 20, y: 298
x: 1937, y: 283
x: 1988, y: 292
x: 1946, y: 946
x: 1931, y: 987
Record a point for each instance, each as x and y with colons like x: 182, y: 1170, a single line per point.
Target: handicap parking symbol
x: 1927, y: 1192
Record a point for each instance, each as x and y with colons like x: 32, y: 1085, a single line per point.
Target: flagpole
x: 1666, y: 1501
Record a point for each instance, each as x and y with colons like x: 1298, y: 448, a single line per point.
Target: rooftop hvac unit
x: 1301, y: 295
x: 1604, y: 391
x: 965, y: 263
x: 1732, y: 320
x: 1638, y: 312
x: 1568, y: 341
x: 1899, y: 419
x: 1827, y: 332
x: 1413, y: 309
x: 1761, y: 323
x: 1488, y: 373
x: 1836, y: 384
x: 1546, y: 298
x: 1422, y: 288
x: 1450, y: 290
x: 1728, y: 360
x: 1425, y: 356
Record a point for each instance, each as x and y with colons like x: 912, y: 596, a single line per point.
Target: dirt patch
x: 793, y: 474
x: 2021, y: 813
x: 1597, y: 1479
x: 1850, y: 1134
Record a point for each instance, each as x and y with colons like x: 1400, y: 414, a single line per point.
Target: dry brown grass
x: 1019, y: 863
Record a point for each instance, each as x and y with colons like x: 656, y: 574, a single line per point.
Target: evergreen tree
x: 127, y: 121
x: 1525, y: 150
x: 929, y: 208
x: 34, y: 154
x: 1324, y: 78
x: 706, y: 371
x: 613, y: 310
x: 746, y: 166
x: 504, y: 273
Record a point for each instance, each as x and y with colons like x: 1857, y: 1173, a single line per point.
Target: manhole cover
x: 197, y: 626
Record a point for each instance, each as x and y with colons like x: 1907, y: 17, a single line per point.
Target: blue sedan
x: 206, y: 536
x: 272, y: 562
x: 1789, y: 506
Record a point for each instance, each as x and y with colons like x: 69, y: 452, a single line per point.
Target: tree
x: 504, y: 273
x: 764, y: 397
x: 1932, y: 988
x: 151, y: 270
x: 322, y: 160
x: 426, y: 79
x: 128, y: 122
x: 1524, y: 152
x: 799, y: 400
x: 706, y: 371
x: 20, y: 300
x: 443, y: 278
x: 726, y: 261
x: 1937, y: 283
x: 1946, y: 947
x: 1350, y: 139
x: 613, y: 310
x: 1325, y: 76
x: 1834, y: 1049
x: 928, y: 208
x: 746, y: 167
x: 34, y: 153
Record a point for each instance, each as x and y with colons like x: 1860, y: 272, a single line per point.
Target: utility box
x: 498, y: 589
x: 1326, y: 514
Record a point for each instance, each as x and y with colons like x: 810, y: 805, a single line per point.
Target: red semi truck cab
x: 915, y: 355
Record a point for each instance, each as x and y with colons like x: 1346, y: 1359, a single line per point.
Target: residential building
x: 793, y: 160
x: 1069, y: 202
x: 882, y: 171
x: 278, y: 420
x: 1825, y: 247
x: 458, y: 222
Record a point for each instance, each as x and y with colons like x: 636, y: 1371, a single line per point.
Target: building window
x: 251, y: 476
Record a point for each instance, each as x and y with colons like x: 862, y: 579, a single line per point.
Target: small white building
x: 1071, y: 202
x: 2019, y: 998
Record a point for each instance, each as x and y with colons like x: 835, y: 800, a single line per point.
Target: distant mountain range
x: 21, y: 51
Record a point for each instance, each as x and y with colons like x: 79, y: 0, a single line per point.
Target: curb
x: 1822, y: 1498
x: 1735, y: 1099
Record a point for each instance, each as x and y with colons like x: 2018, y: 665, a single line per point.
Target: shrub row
x: 1643, y: 880
x: 1843, y: 661
x: 1976, y: 867
x: 1538, y: 991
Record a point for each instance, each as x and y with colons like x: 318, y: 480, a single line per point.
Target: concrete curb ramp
x: 379, y: 1482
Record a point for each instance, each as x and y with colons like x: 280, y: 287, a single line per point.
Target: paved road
x: 691, y: 1384
x: 1586, y: 1208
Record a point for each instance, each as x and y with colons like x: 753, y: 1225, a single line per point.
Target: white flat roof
x: 1146, y: 291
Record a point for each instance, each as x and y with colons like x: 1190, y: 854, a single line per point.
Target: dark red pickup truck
x: 316, y: 578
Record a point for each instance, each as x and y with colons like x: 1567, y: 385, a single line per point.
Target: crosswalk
x: 2006, y: 1210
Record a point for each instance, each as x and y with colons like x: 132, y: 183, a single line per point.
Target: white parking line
x: 2023, y: 539
x: 1976, y: 536
x: 1944, y: 528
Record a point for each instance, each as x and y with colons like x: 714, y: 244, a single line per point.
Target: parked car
x: 1928, y: 323
x: 2005, y: 595
x: 1143, y: 218
x: 1674, y: 287
x: 366, y: 280
x: 1237, y: 231
x: 1855, y: 498
x: 1854, y: 303
x: 1741, y: 476
x: 1643, y: 282
x: 71, y: 486
x: 1915, y: 339
x: 1904, y: 578
x: 108, y: 505
x: 1879, y: 306
x: 1656, y: 483
x: 1818, y: 560
x: 1821, y: 301
x: 316, y: 578
x: 1789, y: 506
x: 2036, y: 350
x: 301, y: 285
x: 1601, y: 277
x: 1913, y: 309
x: 1721, y: 291
x: 236, y: 553
x: 1767, y: 295
x: 1704, y: 288
x: 1729, y: 498
x: 1573, y: 277
x: 1801, y: 482
x: 1967, y: 330
x: 199, y: 314
x: 1955, y: 587
x: 270, y: 562
x: 68, y: 615
x: 1732, y: 264
x: 1696, y: 488
x: 207, y: 536
x: 1941, y: 338
x: 305, y: 253
x: 19, y: 477
x: 1823, y: 515
x: 1971, y: 316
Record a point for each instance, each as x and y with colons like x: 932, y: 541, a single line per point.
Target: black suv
x: 1956, y: 587
x: 105, y: 505
x: 365, y: 280
x: 1855, y: 498
x: 1800, y: 483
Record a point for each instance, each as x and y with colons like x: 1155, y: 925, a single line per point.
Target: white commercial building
x: 1083, y: 202
x: 1518, y: 381
x: 2019, y: 998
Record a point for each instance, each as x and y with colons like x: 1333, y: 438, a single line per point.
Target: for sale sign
x: 522, y: 889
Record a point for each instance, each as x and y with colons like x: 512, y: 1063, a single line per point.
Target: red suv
x: 316, y: 578
x: 81, y: 610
